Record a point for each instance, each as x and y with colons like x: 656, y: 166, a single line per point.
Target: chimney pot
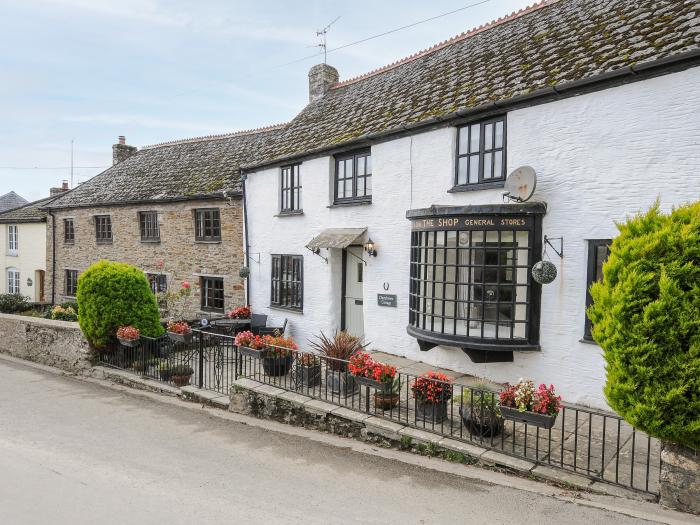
x: 321, y: 78
x: 121, y: 151
x: 57, y: 191
x: 64, y: 185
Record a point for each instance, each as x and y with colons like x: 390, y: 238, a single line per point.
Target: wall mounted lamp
x: 370, y: 249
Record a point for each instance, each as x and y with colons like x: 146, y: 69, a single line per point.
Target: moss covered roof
x: 548, y: 44
x: 30, y: 212
x: 180, y: 170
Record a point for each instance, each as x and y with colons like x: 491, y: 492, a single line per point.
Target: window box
x: 527, y: 417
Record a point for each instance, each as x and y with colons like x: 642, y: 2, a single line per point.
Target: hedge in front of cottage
x: 113, y: 294
x: 646, y: 318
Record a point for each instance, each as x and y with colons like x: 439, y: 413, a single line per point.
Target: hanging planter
x: 544, y: 272
x: 244, y: 272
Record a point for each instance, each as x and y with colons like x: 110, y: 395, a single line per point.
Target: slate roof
x: 30, y: 212
x: 552, y: 43
x: 188, y: 169
x: 11, y: 200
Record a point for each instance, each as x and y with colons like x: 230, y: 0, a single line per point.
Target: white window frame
x: 12, y: 239
x: 13, y: 281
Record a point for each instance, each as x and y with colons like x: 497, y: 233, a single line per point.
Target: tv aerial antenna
x: 322, y: 33
x: 520, y: 184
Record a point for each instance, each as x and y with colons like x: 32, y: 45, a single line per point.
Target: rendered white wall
x: 599, y: 157
x: 31, y: 256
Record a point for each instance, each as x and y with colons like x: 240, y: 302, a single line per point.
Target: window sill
x: 207, y: 242
x: 150, y: 241
x: 104, y: 242
x: 342, y: 204
x: 68, y: 243
x: 12, y: 254
x: 477, y: 186
x: 286, y: 309
x: 290, y: 213
x: 203, y: 309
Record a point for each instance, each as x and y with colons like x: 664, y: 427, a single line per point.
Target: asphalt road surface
x: 73, y: 452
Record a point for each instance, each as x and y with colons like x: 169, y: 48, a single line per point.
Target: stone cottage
x: 173, y: 210
x: 391, y: 221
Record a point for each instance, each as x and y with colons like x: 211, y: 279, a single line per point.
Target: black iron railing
x: 595, y: 444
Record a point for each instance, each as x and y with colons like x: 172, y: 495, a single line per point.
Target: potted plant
x: 337, y: 351
x: 522, y: 402
x: 386, y: 400
x: 242, y: 312
x: 279, y: 355
x: 180, y: 375
x: 432, y: 391
x: 376, y: 375
x: 180, y: 331
x: 307, y: 372
x: 250, y: 344
x: 165, y: 370
x: 479, y: 412
x: 128, y: 335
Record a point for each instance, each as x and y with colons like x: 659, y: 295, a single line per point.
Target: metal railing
x: 592, y: 443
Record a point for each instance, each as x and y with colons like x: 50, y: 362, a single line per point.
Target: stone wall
x: 184, y: 259
x: 680, y: 478
x: 54, y: 343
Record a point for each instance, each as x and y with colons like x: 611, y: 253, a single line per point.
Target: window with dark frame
x: 71, y: 283
x: 68, y: 231
x: 287, y: 282
x: 290, y: 198
x: 481, y: 153
x: 103, y: 228
x: 353, y: 177
x: 158, y: 282
x: 148, y: 223
x: 207, y: 222
x: 598, y: 251
x: 212, y: 293
x: 474, y: 285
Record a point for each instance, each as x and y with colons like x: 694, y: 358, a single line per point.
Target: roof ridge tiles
x: 222, y: 136
x: 453, y: 40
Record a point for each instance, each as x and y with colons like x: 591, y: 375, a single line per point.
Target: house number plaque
x: 386, y: 299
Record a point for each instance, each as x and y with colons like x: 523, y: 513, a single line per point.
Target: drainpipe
x: 53, y: 258
x: 244, y: 178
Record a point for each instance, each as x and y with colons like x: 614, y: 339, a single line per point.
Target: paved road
x: 73, y: 452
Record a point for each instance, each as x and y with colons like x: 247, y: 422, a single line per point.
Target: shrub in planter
x: 307, y: 372
x: 180, y: 331
x: 242, y: 312
x: 180, y: 374
x: 112, y: 294
x: 11, y: 303
x: 522, y: 402
x: 128, y: 335
x: 432, y: 391
x: 338, y: 351
x: 379, y: 376
x: 646, y: 318
x: 479, y: 412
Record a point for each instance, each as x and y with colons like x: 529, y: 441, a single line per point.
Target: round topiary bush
x: 646, y: 318
x: 112, y: 294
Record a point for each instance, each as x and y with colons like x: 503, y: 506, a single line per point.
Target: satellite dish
x: 520, y: 184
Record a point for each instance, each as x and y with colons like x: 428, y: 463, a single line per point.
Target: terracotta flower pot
x: 386, y: 401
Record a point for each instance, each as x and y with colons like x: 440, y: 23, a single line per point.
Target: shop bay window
x: 470, y: 283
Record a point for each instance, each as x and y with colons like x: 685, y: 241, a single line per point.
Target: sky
x: 88, y: 71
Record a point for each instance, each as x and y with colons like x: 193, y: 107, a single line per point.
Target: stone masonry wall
x: 54, y: 343
x: 680, y: 478
x: 184, y: 258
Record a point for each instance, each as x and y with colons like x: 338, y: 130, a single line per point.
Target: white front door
x: 353, y: 296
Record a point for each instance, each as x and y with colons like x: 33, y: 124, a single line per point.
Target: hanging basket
x: 544, y: 272
x: 244, y: 272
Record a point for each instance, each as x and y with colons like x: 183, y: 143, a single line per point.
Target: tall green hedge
x: 113, y: 294
x: 646, y: 318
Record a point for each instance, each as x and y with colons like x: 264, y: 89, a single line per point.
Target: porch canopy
x: 337, y: 238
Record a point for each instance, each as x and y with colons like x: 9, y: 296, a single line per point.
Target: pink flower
x: 160, y: 264
x: 185, y: 285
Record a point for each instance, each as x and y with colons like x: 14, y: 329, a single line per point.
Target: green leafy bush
x: 11, y: 303
x: 646, y: 317
x: 113, y: 294
x: 59, y: 313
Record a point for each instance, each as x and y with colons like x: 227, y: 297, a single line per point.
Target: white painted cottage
x: 381, y: 209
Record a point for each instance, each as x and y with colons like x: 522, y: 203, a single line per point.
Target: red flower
x: 432, y: 387
x: 185, y: 285
x: 128, y: 333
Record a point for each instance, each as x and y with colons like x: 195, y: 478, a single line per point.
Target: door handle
x: 358, y: 302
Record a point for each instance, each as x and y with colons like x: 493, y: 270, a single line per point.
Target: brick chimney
x: 121, y: 150
x: 321, y: 78
x: 57, y: 191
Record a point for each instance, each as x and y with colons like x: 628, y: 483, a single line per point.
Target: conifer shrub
x: 646, y: 318
x: 113, y: 294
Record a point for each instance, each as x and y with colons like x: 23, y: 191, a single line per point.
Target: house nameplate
x: 386, y: 299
